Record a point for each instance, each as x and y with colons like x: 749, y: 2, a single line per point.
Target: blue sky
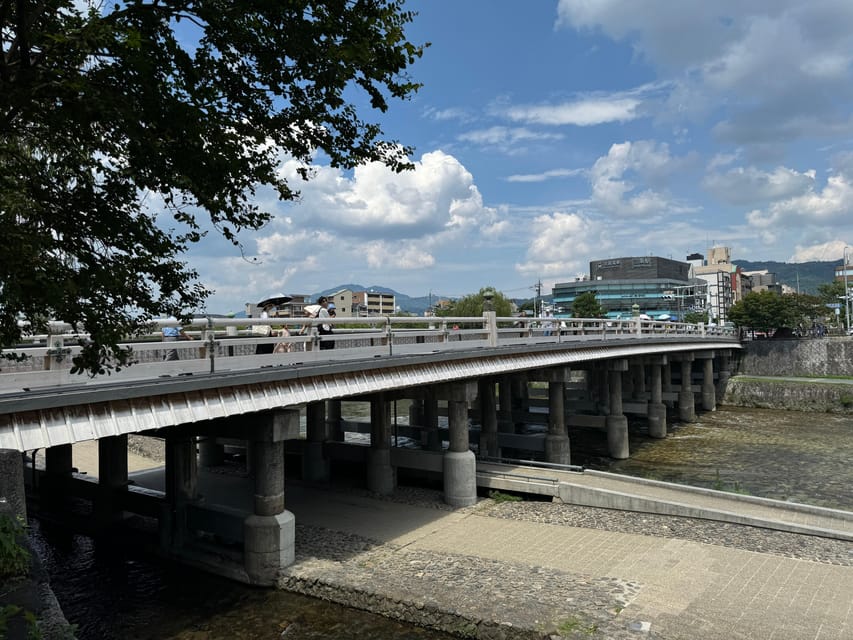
x: 552, y: 133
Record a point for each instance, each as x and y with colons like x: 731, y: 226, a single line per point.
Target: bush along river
x: 111, y: 591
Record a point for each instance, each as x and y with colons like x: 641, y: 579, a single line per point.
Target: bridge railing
x: 221, y: 344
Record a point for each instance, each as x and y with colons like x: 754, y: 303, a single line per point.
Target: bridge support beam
x: 709, y: 394
x: 381, y: 475
x: 112, y: 477
x: 557, y: 445
x: 431, y: 437
x: 334, y: 421
x: 459, y: 466
x: 315, y: 466
x: 656, y: 409
x: 686, y: 406
x: 488, y: 419
x: 56, y: 481
x: 505, y: 424
x: 724, y: 367
x: 666, y: 382
x: 181, y: 484
x: 617, y: 423
x: 270, y: 532
x: 638, y: 380
x: 210, y: 452
x: 520, y: 399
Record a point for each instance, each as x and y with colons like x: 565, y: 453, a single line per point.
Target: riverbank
x: 510, y: 570
x: 821, y: 395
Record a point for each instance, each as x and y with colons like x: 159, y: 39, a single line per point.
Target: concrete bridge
x: 478, y: 372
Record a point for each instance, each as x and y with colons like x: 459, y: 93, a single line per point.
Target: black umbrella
x: 275, y: 300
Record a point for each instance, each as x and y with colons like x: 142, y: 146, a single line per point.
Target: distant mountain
x: 800, y: 276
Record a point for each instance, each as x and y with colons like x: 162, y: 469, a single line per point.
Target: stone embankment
x: 794, y: 375
x: 823, y: 357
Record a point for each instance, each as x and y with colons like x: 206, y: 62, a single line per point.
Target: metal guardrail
x: 230, y: 344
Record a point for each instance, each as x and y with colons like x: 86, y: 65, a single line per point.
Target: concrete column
x: 603, y: 394
x: 656, y: 408
x: 181, y: 484
x: 557, y: 448
x: 112, y: 477
x: 334, y: 426
x: 520, y: 401
x: 725, y: 373
x: 56, y: 481
x: 270, y: 532
x: 315, y: 467
x: 638, y: 377
x: 416, y: 412
x: 616, y: 422
x: 12, y: 481
x: 666, y: 382
x: 488, y: 419
x: 460, y: 467
x: 431, y: 438
x: 709, y: 395
x: 210, y: 452
x: 686, y: 408
x: 505, y: 424
x: 381, y: 476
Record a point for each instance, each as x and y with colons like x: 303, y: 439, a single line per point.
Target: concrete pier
x: 656, y: 408
x: 459, y: 466
x: 557, y: 446
x: 617, y: 423
x: 381, y: 475
x: 686, y: 406
x: 315, y: 467
x: 270, y: 532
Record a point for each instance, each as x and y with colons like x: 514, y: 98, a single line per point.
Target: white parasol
x: 275, y: 300
x: 312, y: 309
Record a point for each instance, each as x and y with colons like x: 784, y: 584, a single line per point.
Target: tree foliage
x: 128, y: 133
x: 472, y: 305
x: 767, y: 310
x: 586, y: 305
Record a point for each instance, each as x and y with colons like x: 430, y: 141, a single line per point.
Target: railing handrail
x: 223, y: 339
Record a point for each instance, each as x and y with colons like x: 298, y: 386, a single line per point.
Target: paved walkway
x: 673, y: 588
x: 476, y: 571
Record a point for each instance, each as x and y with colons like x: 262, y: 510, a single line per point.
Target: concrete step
x: 613, y: 491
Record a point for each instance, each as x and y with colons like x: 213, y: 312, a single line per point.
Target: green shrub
x: 14, y: 559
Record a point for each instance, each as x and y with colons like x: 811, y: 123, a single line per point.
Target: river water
x: 112, y: 593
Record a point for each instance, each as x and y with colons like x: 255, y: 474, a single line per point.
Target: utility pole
x: 845, y: 262
x: 536, y: 304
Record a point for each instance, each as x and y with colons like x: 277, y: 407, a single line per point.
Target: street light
x: 844, y: 268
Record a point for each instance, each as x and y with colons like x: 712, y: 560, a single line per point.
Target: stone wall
x: 799, y: 357
x: 823, y: 397
x: 809, y: 358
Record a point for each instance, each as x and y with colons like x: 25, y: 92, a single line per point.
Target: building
x: 762, y: 280
x: 292, y: 309
x: 660, y: 287
x: 726, y: 282
x: 358, y: 304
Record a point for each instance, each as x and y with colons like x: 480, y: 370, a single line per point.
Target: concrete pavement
x: 678, y: 588
x: 479, y: 573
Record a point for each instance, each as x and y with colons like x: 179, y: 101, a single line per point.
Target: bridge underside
x: 482, y: 401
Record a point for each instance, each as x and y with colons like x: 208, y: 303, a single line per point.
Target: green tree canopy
x: 763, y: 311
x: 586, y: 305
x: 472, y: 305
x: 126, y: 133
